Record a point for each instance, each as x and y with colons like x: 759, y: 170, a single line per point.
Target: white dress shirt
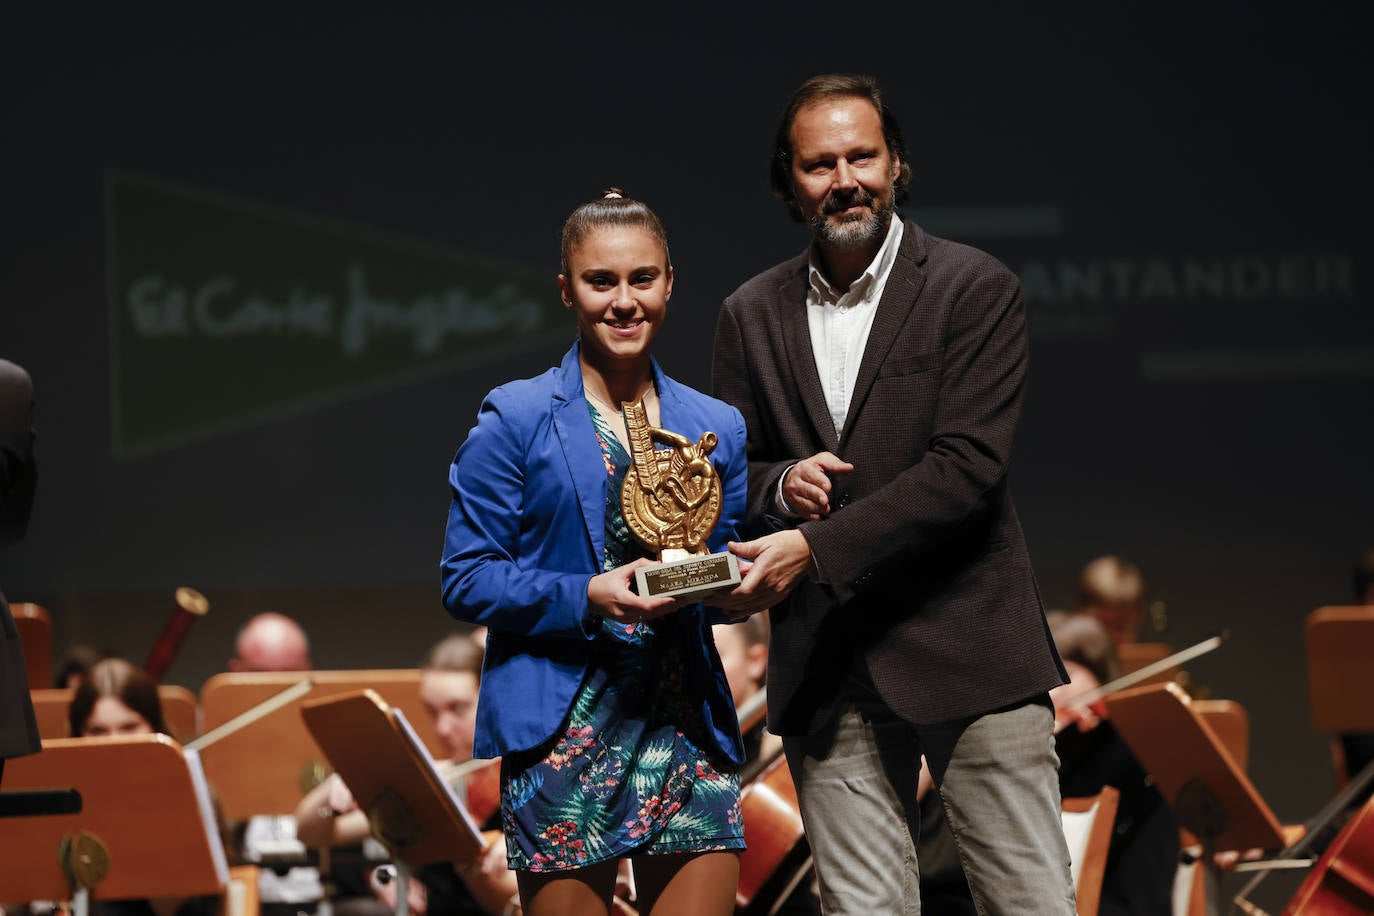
x: 840, y: 322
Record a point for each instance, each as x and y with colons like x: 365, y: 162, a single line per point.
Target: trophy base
x: 689, y: 576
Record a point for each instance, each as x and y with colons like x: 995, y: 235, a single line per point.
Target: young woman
x: 115, y: 698
x: 610, y: 710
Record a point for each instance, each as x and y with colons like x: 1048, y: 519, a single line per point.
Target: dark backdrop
x: 1185, y: 189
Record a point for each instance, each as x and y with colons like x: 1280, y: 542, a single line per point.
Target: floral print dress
x: 628, y: 773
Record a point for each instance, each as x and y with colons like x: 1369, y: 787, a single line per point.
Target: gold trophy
x: 671, y: 499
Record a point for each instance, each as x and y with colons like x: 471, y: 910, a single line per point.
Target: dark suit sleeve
x: 731, y: 382
x: 981, y: 386
x: 18, y: 473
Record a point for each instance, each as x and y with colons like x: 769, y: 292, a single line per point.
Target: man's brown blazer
x: 922, y: 567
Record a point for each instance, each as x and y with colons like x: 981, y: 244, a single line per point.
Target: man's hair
x: 117, y: 678
x: 612, y: 208
x: 455, y: 653
x: 1110, y: 581
x: 828, y: 86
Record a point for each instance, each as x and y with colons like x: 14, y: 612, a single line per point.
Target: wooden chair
x: 178, y: 708
x: 35, y: 636
x: 1088, y: 824
x: 1340, y: 677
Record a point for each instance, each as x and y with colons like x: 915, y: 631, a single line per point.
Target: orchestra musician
x: 1112, y: 590
x: 118, y: 698
x: 115, y: 698
x: 1143, y: 857
x: 743, y: 649
x: 271, y: 642
x: 609, y: 709
x: 328, y: 816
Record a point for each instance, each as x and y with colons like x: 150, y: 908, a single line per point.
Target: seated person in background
x: 115, y: 698
x: 743, y: 649
x: 1113, y: 591
x: 271, y: 642
x: 75, y: 662
x: 328, y: 815
x: 118, y: 698
x: 1144, y: 853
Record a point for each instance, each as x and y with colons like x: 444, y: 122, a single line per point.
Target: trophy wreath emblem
x: 672, y: 501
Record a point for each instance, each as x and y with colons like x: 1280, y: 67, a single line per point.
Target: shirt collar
x: 877, y: 269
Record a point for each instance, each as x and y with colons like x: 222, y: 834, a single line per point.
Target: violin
x: 776, y: 858
x: 483, y: 780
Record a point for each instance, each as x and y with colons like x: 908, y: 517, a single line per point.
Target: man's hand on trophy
x: 771, y: 566
x: 611, y: 595
x: 806, y: 486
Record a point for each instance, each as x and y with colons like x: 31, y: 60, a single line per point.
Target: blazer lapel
x: 797, y: 338
x: 577, y: 436
x: 899, y: 298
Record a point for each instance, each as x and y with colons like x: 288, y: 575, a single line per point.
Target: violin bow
x: 1209, y: 644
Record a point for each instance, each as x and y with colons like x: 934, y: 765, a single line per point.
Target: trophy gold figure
x: 672, y: 500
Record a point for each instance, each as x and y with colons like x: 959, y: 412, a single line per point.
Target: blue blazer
x: 525, y: 537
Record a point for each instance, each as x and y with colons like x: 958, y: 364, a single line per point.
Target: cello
x: 777, y: 857
x: 1342, y: 881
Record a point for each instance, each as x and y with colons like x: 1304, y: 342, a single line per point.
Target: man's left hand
x: 772, y: 567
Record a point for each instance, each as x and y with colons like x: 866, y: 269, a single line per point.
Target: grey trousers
x: 998, y: 778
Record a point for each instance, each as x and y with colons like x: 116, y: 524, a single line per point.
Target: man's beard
x: 857, y: 233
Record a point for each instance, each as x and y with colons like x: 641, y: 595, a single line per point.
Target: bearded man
x: 880, y: 374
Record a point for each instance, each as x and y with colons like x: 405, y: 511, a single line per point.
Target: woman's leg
x: 580, y: 892
x: 687, y: 884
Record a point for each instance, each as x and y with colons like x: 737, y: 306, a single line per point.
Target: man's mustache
x: 836, y: 201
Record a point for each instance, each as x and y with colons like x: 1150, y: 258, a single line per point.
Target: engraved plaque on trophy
x: 672, y: 500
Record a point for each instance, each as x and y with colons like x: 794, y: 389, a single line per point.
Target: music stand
x: 146, y: 828
x: 412, y: 810
x: 268, y: 766
x: 1209, y: 794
